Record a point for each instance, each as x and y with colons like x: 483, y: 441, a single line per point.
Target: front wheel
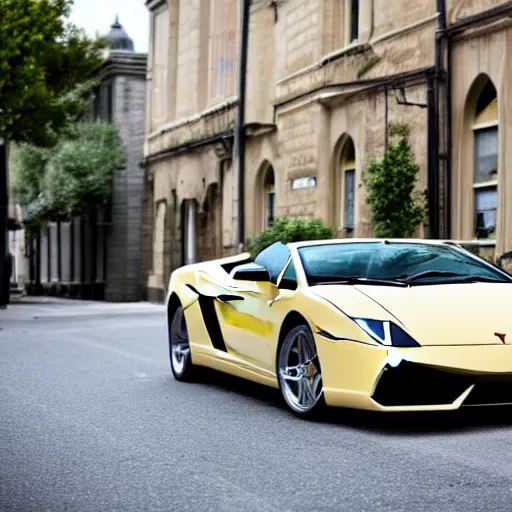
x: 299, y: 373
x: 179, y: 347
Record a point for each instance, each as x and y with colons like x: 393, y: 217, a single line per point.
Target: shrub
x: 287, y: 230
x: 397, y: 207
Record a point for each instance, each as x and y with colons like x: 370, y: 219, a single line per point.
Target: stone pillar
x: 190, y: 232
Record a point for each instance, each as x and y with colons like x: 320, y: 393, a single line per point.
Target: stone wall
x: 475, y: 57
x: 125, y: 234
x: 462, y: 9
x: 310, y: 91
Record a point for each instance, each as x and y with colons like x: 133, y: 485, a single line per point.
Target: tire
x: 179, y: 348
x: 299, y: 373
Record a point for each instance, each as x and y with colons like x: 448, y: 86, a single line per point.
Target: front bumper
x: 415, y: 379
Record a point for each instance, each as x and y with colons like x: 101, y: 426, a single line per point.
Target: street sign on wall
x: 299, y: 183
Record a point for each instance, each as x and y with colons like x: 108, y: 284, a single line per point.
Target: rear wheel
x: 299, y: 373
x: 179, y: 347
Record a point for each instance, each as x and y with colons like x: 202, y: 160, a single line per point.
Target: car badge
x: 501, y: 336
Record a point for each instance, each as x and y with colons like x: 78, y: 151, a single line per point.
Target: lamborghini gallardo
x: 384, y: 325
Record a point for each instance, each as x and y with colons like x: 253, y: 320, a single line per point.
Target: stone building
x: 98, y: 256
x: 325, y: 80
x: 121, y: 99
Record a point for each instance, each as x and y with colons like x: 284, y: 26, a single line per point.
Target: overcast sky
x: 97, y: 16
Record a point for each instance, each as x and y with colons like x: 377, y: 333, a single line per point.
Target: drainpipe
x: 439, y: 83
x: 446, y: 80
x: 448, y: 139
x: 433, y: 159
x: 240, y: 124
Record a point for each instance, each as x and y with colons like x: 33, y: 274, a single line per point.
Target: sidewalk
x: 52, y: 307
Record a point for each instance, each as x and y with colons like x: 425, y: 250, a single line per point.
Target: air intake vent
x: 414, y: 384
x: 490, y: 393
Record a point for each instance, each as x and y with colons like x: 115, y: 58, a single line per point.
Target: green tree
x: 397, y: 207
x: 81, y: 172
x: 286, y: 230
x: 28, y: 167
x: 46, y: 65
x: 67, y: 179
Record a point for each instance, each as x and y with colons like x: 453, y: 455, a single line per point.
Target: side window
x: 274, y: 259
x: 289, y: 279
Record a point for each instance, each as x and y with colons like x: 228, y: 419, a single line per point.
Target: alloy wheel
x: 179, y: 344
x: 299, y: 371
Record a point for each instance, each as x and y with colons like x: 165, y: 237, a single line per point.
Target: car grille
x: 490, y: 392
x: 414, y: 384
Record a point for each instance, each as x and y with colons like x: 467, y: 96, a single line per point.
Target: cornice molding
x: 124, y: 63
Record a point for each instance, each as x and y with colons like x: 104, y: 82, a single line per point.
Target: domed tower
x: 118, y: 38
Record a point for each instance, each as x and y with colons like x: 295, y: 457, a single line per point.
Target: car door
x: 252, y: 325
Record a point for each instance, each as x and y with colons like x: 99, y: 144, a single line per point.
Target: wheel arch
x: 292, y: 319
x: 173, y: 304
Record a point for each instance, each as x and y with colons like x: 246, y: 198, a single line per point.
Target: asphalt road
x: 92, y: 420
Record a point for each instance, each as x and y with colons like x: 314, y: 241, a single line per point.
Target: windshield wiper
x: 427, y: 273
x: 357, y: 280
x: 481, y: 279
x: 446, y: 273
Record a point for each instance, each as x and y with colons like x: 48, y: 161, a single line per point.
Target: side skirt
x: 227, y: 363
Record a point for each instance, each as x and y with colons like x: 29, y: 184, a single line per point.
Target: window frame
x: 448, y: 246
x: 269, y: 196
x: 159, y: 98
x: 283, y: 272
x: 490, y: 184
x: 223, y: 44
x: 353, y: 22
x: 349, y: 228
x: 347, y: 162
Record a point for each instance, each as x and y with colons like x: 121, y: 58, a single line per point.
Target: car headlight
x: 386, y: 333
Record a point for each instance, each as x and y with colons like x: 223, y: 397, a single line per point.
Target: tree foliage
x: 46, y: 65
x: 397, y: 207
x: 287, y: 230
x: 75, y: 174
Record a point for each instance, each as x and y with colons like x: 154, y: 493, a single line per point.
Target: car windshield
x: 389, y: 263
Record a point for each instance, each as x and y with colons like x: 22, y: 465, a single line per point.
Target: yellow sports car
x: 385, y: 325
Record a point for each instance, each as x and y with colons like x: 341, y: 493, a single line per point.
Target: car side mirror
x: 251, y: 272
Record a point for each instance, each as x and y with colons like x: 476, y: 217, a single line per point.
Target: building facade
x: 121, y: 99
x: 98, y: 255
x: 325, y: 80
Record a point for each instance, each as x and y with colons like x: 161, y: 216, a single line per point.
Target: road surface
x: 92, y: 420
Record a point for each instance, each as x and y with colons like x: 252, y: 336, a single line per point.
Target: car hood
x: 448, y: 314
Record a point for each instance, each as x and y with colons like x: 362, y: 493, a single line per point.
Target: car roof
x: 371, y: 240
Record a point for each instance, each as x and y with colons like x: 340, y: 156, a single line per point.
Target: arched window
x: 269, y: 198
x: 347, y: 182
x: 485, y: 182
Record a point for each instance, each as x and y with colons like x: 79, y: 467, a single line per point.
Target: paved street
x: 92, y: 420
